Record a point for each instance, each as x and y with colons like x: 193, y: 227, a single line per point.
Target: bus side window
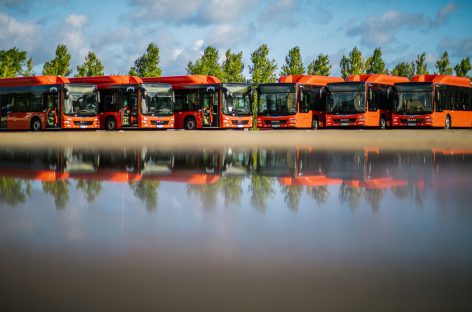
x: 440, y: 99
x: 373, y: 100
x: 21, y: 103
x: 305, y: 104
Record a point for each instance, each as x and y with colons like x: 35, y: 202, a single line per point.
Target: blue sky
x: 119, y: 31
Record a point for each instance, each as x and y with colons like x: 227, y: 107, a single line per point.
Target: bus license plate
x: 83, y: 126
x: 411, y: 124
x: 240, y: 126
x: 275, y: 126
x: 159, y: 126
x: 344, y: 124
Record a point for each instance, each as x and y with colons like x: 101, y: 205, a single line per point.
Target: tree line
x: 263, y: 69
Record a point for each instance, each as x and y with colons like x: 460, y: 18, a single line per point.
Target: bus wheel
x: 190, y: 123
x: 35, y: 124
x: 110, y: 123
x: 447, y: 124
x: 315, y: 124
x: 383, y: 123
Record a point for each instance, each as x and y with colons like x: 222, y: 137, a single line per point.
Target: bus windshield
x: 81, y: 100
x: 236, y: 100
x: 414, y: 99
x: 157, y: 101
x: 277, y: 99
x: 345, y: 99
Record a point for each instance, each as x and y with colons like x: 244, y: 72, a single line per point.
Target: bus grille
x: 83, y: 123
x: 276, y: 122
x: 240, y: 122
x: 159, y: 122
x: 345, y: 120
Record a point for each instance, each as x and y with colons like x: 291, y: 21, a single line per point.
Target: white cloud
x: 380, y: 30
x: 458, y: 47
x: 77, y: 21
x: 14, y: 33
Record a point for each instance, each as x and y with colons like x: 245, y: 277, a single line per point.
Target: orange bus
x: 41, y: 102
x: 296, y: 101
x: 362, y: 101
x: 125, y: 101
x: 433, y: 101
x: 205, y: 102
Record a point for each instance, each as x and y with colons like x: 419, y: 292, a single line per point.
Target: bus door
x: 128, y: 107
x: 373, y: 116
x: 4, y: 101
x: 210, y: 107
x: 53, y: 115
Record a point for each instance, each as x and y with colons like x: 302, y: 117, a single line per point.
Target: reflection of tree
x: 292, y: 194
x: 146, y: 191
x: 350, y: 194
x: 59, y: 189
x: 261, y: 188
x: 14, y: 191
x: 231, y: 189
x: 90, y: 188
x: 410, y: 192
x: 400, y: 192
x: 374, y: 197
x: 207, y: 193
x: 318, y: 193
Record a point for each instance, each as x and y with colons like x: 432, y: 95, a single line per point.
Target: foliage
x: 375, y: 64
x: 443, y: 64
x: 293, y: 63
x: 318, y: 193
x: 320, y: 66
x: 207, y: 64
x: 233, y: 67
x: 59, y: 189
x: 91, y: 67
x: 463, y: 67
x: 146, y: 191
x: 60, y: 65
x: 90, y: 188
x: 147, y: 65
x: 404, y: 69
x: 421, y: 66
x: 352, y: 65
x: 292, y: 195
x: 14, y: 63
x: 14, y: 191
x: 261, y: 188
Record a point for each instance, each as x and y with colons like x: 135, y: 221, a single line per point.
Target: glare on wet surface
x: 235, y: 229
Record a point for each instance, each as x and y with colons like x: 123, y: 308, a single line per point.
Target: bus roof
x: 33, y: 81
x: 377, y: 78
x: 309, y: 79
x: 443, y: 79
x: 107, y: 80
x: 182, y: 81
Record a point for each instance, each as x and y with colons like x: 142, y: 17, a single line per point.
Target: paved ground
x: 322, y: 139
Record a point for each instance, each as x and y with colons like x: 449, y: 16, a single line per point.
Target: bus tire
x: 110, y: 123
x: 383, y: 123
x: 447, y: 123
x: 190, y: 123
x: 35, y: 124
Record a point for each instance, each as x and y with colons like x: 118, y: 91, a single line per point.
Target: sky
x: 119, y: 31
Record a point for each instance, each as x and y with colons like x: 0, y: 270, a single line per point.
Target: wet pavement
x: 235, y: 228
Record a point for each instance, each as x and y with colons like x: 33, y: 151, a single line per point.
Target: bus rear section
x: 202, y: 101
x: 296, y: 101
x: 438, y: 101
x: 47, y: 102
x: 362, y: 101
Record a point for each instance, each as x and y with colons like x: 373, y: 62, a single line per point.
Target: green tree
x: 14, y: 63
x: 352, y: 65
x: 207, y: 193
x: 351, y: 195
x: 443, y: 64
x: 59, y: 189
x: 91, y: 67
x: 293, y: 63
x: 404, y: 69
x: 318, y: 193
x: 60, y: 65
x: 146, y: 191
x: 14, y: 191
x: 421, y: 66
x: 375, y: 64
x: 320, y: 66
x: 147, y: 65
x: 462, y: 69
x: 231, y: 190
x: 292, y: 195
x: 261, y: 71
x: 207, y: 64
x: 261, y: 188
x: 374, y: 197
x: 233, y: 67
x: 90, y: 188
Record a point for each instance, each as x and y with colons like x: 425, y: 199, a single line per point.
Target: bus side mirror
x: 66, y: 94
x: 301, y: 96
x: 389, y: 92
x: 437, y: 96
x: 370, y: 94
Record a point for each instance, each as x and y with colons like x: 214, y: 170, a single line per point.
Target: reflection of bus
x: 41, y: 102
x: 297, y: 101
x: 433, y: 101
x: 125, y: 101
x: 204, y: 102
x: 363, y: 101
